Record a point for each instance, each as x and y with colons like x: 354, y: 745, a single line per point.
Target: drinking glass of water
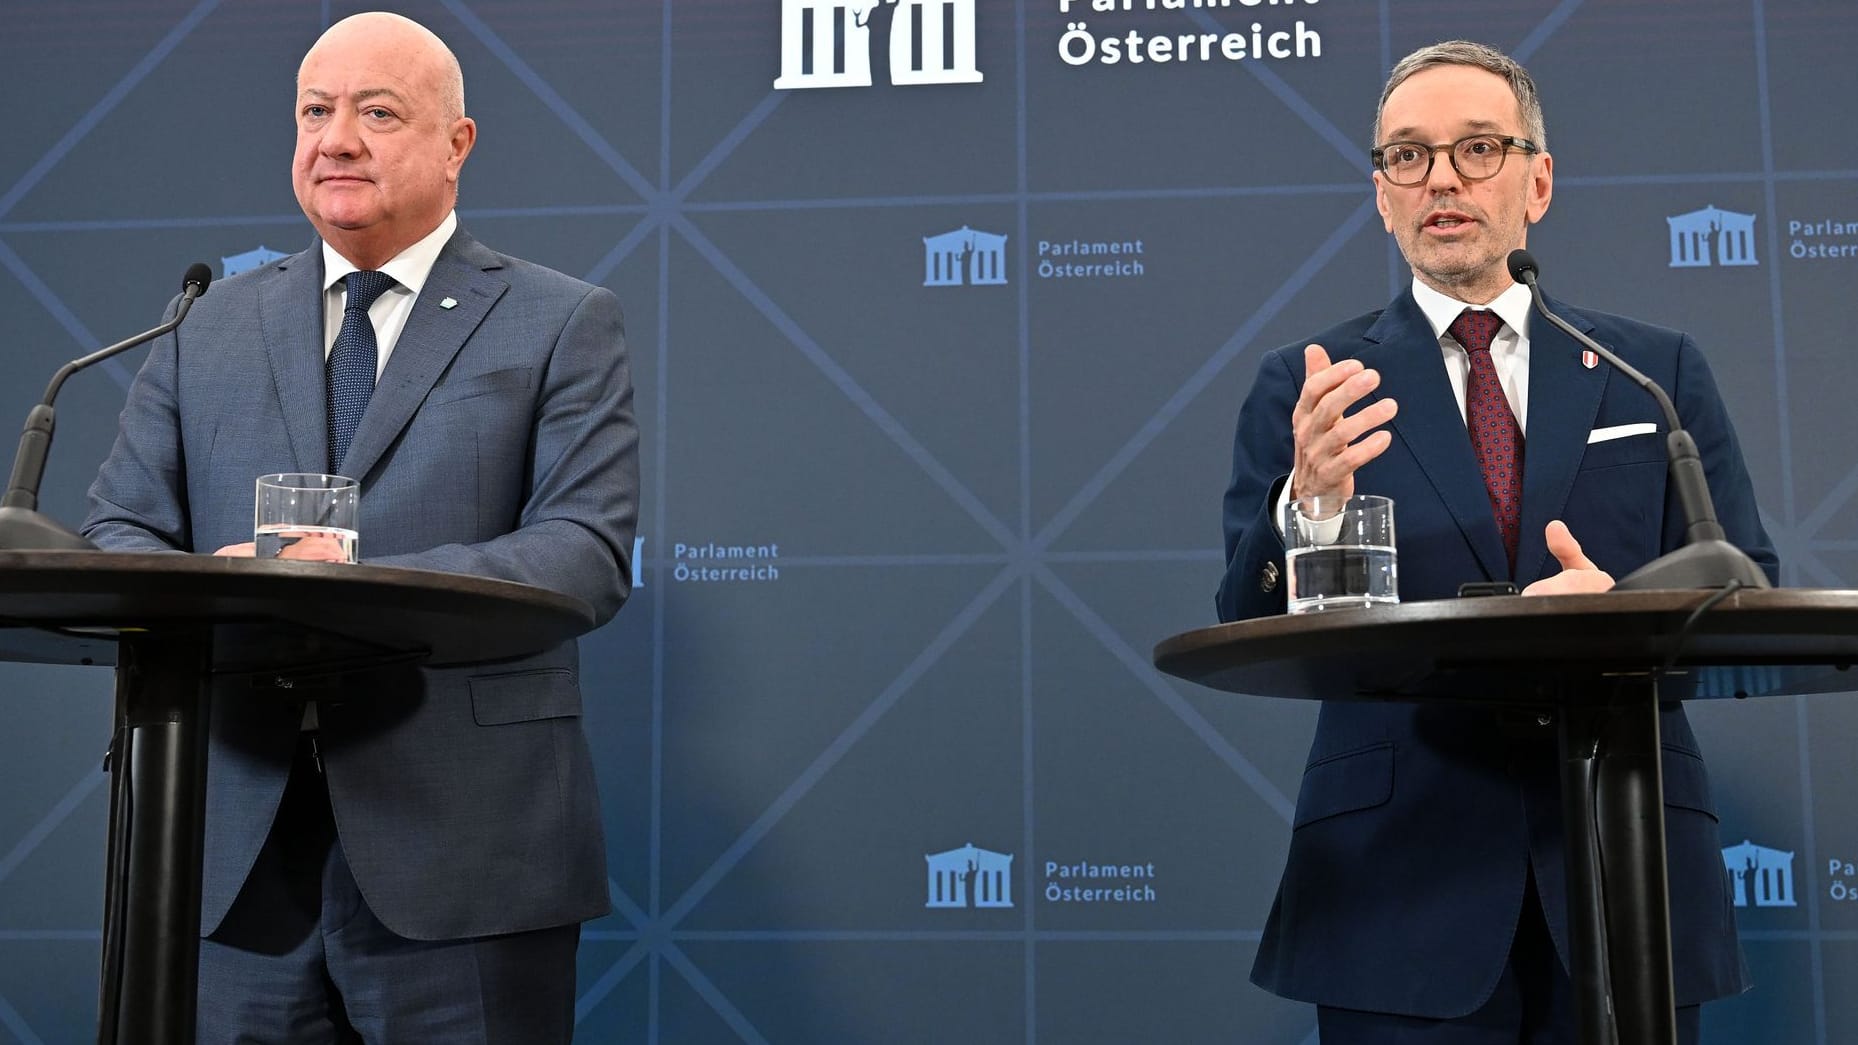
x: 294, y: 507
x: 1339, y: 552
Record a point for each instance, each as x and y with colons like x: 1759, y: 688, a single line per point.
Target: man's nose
x: 1444, y: 176
x: 341, y: 136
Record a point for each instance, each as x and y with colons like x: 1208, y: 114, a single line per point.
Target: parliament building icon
x: 234, y: 264
x: 1759, y: 876
x: 828, y: 43
x: 970, y: 877
x: 1712, y: 236
x: 964, y: 255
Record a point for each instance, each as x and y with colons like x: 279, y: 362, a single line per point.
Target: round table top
x: 73, y: 606
x: 1750, y: 643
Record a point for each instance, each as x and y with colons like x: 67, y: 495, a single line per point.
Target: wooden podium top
x: 70, y: 607
x: 1549, y: 648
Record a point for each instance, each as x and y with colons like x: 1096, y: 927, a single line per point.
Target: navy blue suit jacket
x: 1416, y: 826
x: 499, y: 442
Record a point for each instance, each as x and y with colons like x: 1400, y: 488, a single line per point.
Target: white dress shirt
x: 389, y: 313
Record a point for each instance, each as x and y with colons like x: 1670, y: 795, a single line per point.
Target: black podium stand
x: 171, y: 623
x: 1602, y: 663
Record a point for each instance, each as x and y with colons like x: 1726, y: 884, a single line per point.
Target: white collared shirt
x: 389, y: 313
x: 1509, y: 350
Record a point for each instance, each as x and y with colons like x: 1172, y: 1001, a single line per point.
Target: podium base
x: 1704, y: 564
x: 24, y: 530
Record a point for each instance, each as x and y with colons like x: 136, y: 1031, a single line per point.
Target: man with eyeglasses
x: 1424, y: 897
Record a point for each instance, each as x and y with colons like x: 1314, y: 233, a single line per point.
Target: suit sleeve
x: 574, y: 534
x: 1261, y: 460
x: 1704, y: 415
x: 138, y: 501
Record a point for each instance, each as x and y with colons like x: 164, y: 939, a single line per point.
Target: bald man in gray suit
x: 409, y: 857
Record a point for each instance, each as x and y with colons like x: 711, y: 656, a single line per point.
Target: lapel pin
x: 453, y: 303
x: 1589, y: 358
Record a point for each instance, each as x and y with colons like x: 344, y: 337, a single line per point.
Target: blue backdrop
x: 940, y: 320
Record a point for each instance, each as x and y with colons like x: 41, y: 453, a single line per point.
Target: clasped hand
x: 308, y: 547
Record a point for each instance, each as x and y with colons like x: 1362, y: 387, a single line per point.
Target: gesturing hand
x: 1329, y: 446
x: 1578, y: 572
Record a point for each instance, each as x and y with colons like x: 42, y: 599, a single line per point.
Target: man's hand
x: 1329, y: 446
x: 312, y: 547
x: 1578, y: 573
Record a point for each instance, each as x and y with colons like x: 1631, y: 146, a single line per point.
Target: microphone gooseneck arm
x: 1708, y: 560
x: 22, y: 490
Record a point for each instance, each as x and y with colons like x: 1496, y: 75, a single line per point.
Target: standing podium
x: 1600, y: 664
x: 172, y: 624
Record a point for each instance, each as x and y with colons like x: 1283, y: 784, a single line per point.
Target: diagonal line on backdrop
x: 1296, y: 103
x: 841, y: 379
x: 604, y: 267
x: 1550, y: 24
x: 74, y: 326
x: 615, y: 974
x: 549, y: 97
x: 1814, y: 567
x: 92, y: 780
x: 1197, y: 382
x: 88, y: 122
x: 738, y: 134
x: 625, y: 905
x: 13, y: 1021
x: 1163, y: 691
x: 710, y: 993
x: 843, y: 743
x: 1835, y: 499
x: 10, y: 259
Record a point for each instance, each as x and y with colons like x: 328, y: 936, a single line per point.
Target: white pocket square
x: 1601, y: 435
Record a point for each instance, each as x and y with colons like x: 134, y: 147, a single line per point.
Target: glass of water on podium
x: 306, y: 515
x: 1339, y: 552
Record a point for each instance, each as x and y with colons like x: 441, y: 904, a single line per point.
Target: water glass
x: 1339, y: 552
x: 293, y: 507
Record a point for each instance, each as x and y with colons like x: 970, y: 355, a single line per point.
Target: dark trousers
x: 1533, y: 1004
x: 301, y: 959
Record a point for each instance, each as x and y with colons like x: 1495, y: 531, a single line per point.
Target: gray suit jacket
x: 500, y: 441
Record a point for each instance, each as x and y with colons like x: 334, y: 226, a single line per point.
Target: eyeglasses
x: 1475, y: 157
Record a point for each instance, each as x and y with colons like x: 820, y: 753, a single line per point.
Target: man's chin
x: 346, y: 220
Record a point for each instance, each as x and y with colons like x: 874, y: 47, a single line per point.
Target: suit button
x: 1268, y: 582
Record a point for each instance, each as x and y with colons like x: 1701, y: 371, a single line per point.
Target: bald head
x: 406, y: 40
x: 381, y: 135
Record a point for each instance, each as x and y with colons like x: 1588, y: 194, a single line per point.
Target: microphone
x: 22, y: 527
x: 1707, y: 559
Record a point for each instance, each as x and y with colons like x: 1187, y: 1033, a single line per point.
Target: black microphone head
x: 197, y: 278
x: 1522, y: 266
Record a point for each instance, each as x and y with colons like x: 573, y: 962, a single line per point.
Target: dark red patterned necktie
x: 1495, y: 436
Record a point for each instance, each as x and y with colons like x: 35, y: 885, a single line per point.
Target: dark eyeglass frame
x: 1378, y: 156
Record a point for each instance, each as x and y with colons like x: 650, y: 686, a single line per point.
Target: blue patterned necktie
x: 353, y: 361
x: 1496, y: 439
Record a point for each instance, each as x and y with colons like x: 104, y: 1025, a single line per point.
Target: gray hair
x: 1477, y: 56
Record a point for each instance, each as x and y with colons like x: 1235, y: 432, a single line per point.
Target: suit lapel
x: 290, y: 318
x: 1413, y: 373
x: 1564, y: 399
x: 433, y: 334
